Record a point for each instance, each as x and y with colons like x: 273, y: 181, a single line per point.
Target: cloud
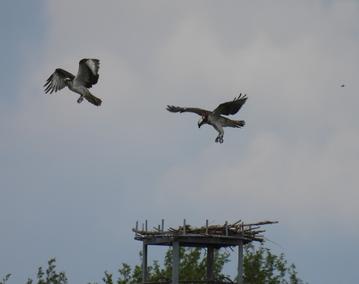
x: 94, y: 171
x: 273, y: 178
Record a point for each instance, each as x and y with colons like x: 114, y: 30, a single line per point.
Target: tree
x: 5, y: 278
x: 261, y: 266
x: 51, y: 276
x: 192, y: 267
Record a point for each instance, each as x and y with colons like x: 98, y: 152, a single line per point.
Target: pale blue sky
x: 23, y: 27
x: 75, y: 178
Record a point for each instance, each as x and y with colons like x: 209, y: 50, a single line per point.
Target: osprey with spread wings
x: 87, y: 76
x: 215, y: 117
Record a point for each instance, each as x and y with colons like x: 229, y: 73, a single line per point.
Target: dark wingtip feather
x: 48, y: 88
x: 48, y: 85
x: 173, y: 108
x: 240, y: 97
x: 48, y: 81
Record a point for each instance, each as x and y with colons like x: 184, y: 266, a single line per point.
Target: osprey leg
x: 219, y: 138
x: 80, y: 99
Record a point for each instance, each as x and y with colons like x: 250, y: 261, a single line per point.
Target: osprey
x: 215, y: 117
x: 87, y: 76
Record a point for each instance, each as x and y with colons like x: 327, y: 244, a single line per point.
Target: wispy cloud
x: 91, y: 172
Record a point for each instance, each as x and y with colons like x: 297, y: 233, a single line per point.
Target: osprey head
x: 202, y: 121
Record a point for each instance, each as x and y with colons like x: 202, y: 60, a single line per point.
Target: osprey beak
x: 200, y: 122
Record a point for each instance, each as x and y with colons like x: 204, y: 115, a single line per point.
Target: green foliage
x: 108, y: 278
x: 262, y: 266
x: 5, y: 279
x: 125, y: 272
x: 50, y: 276
x: 192, y: 267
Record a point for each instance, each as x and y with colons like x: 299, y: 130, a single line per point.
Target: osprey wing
x: 231, y: 107
x: 198, y: 111
x: 56, y: 81
x: 88, y: 72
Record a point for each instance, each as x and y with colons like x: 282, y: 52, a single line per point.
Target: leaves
x: 5, y: 279
x: 51, y: 276
x: 262, y: 266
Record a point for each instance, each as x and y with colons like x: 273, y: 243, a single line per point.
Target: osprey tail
x: 235, y: 123
x: 92, y: 99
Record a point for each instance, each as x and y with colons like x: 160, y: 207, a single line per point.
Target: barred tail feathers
x: 92, y: 99
x: 235, y: 123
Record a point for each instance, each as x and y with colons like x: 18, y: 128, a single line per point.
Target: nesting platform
x: 208, y: 236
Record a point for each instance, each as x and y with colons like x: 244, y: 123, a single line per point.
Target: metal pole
x: 210, y: 259
x: 240, y: 262
x: 175, y: 262
x: 144, y: 262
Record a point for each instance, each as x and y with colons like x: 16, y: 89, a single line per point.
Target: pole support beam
x: 144, y: 262
x: 175, y: 262
x: 240, y: 263
x: 210, y: 264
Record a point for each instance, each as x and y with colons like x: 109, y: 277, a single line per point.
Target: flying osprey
x: 215, y: 117
x: 85, y: 78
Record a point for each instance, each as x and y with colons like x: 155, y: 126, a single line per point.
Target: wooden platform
x: 211, y: 237
x: 218, y: 236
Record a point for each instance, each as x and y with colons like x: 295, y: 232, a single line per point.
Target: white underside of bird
x: 79, y: 89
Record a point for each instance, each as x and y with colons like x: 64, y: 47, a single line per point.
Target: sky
x: 75, y: 178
